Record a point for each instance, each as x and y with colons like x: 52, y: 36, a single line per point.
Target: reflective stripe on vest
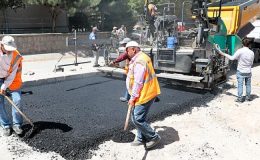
x: 17, y: 82
x: 151, y: 86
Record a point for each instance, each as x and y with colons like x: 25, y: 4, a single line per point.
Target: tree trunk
x: 54, y: 15
x: 5, y: 28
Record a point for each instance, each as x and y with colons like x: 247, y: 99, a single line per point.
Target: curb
x: 57, y: 79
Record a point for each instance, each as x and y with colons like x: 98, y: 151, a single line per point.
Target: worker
x: 151, y: 17
x: 94, y: 46
x: 114, y: 37
x: 152, y: 10
x: 10, y: 79
x: 245, y: 58
x: 143, y: 86
x: 120, y: 58
x: 121, y: 32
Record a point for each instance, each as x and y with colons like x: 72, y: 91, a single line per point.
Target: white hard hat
x: 132, y: 44
x: 9, y: 44
x: 125, y: 40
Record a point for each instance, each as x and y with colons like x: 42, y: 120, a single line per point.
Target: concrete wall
x: 31, y: 19
x: 50, y: 43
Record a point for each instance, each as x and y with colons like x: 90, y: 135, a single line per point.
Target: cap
x: 8, y: 43
x: 125, y: 40
x: 132, y: 44
x: 114, y: 27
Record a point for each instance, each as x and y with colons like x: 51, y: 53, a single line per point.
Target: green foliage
x: 116, y: 13
x: 11, y: 4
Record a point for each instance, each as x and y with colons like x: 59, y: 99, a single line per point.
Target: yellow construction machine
x: 184, y: 55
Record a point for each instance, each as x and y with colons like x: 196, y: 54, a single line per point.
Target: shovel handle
x: 127, y: 117
x: 24, y: 116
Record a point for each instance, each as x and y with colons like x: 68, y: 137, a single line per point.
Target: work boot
x: 96, y: 65
x: 153, y: 142
x: 7, y: 132
x: 239, y: 100
x: 136, y: 143
x: 17, y: 129
x: 123, y: 99
x: 248, y: 98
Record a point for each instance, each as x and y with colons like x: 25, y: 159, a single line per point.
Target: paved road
x: 73, y: 116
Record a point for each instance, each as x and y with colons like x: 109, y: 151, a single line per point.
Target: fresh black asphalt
x: 72, y: 117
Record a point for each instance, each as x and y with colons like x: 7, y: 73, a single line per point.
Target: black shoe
x: 96, y: 65
x: 239, y: 100
x: 157, y: 99
x: 123, y: 99
x: 153, y: 142
x: 248, y: 98
x: 17, y: 129
x: 7, y: 132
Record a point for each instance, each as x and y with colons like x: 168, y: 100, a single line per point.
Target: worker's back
x: 245, y: 60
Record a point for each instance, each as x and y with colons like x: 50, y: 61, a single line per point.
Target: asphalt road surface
x: 72, y: 117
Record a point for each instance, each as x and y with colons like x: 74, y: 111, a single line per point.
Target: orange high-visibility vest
x: 151, y: 88
x: 17, y: 82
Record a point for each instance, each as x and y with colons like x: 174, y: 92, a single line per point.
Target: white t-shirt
x: 245, y: 58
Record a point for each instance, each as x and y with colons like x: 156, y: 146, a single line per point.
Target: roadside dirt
x: 222, y: 129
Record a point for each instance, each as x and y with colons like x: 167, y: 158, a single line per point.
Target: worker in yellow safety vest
x: 143, y: 86
x: 10, y: 79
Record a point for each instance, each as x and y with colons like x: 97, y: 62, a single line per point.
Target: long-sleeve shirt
x: 139, y: 72
x: 245, y: 59
x: 5, y: 63
x: 122, y: 57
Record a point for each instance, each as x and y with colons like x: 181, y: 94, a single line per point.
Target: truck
x: 240, y: 20
x: 184, y: 55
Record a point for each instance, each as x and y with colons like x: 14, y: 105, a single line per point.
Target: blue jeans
x: 144, y: 131
x: 241, y: 77
x: 17, y: 118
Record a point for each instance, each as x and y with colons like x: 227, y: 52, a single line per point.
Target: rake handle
x: 24, y: 116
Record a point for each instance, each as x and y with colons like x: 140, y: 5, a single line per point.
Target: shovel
x: 129, y: 111
x: 124, y: 136
x: 23, y: 115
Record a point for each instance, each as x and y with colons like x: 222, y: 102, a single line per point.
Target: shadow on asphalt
x: 168, y: 134
x: 43, y: 125
x: 184, y: 89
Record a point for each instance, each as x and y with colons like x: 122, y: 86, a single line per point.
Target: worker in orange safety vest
x: 11, y: 80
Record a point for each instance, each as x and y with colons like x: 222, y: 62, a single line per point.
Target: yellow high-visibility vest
x: 151, y: 88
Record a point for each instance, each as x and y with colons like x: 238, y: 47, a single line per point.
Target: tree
x: 116, y: 13
x: 69, y: 6
x: 13, y: 4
